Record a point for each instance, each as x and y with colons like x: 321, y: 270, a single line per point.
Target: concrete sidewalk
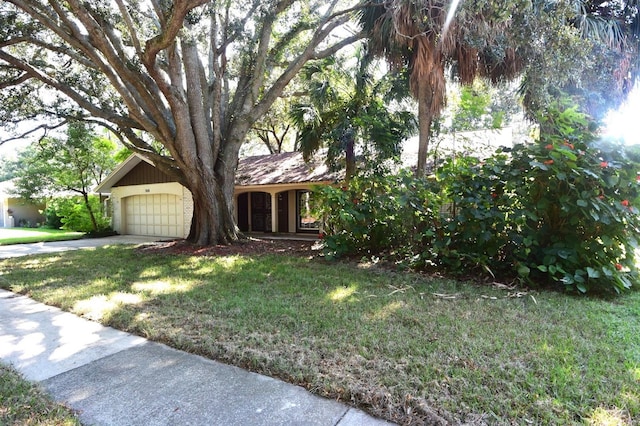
x: 114, y: 378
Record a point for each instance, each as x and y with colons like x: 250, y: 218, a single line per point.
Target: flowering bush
x: 562, y: 210
x: 577, y: 221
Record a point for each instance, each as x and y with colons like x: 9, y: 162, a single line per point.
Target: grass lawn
x: 24, y: 403
x: 402, y: 346
x: 35, y: 235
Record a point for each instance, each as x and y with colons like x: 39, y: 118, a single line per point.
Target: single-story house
x: 272, y: 194
x: 16, y: 211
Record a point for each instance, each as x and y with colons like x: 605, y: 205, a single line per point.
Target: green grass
x: 24, y: 403
x: 402, y: 346
x: 35, y: 235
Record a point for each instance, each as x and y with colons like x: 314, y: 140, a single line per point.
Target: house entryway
x: 284, y: 212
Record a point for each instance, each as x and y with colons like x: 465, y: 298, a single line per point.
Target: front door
x: 283, y: 211
x: 243, y: 212
x: 260, y: 212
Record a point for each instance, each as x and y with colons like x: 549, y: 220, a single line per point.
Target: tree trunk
x: 425, y: 97
x: 92, y: 216
x: 212, y: 222
x: 350, y: 157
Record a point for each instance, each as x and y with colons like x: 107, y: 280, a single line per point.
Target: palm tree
x: 345, y: 106
x: 614, y: 26
x: 495, y: 41
x: 419, y: 35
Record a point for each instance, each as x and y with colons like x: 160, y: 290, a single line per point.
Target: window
x: 306, y: 220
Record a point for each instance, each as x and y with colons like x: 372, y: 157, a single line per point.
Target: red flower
x: 550, y: 146
x: 494, y: 195
x: 625, y: 203
x: 637, y: 178
x: 355, y: 201
x: 618, y: 266
x: 321, y: 235
x: 604, y: 164
x: 548, y: 162
x: 601, y: 196
x: 570, y: 145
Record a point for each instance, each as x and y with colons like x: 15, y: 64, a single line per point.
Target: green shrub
x: 477, y: 231
x: 578, y: 197
x: 52, y: 220
x: 377, y: 214
x: 561, y: 210
x: 74, y: 216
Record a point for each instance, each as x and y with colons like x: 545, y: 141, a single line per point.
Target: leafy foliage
x: 71, y: 213
x: 587, y: 47
x: 75, y: 164
x: 377, y: 214
x: 561, y: 210
x: 181, y: 83
x: 347, y: 112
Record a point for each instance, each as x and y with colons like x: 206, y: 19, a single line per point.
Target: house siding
x: 144, y: 174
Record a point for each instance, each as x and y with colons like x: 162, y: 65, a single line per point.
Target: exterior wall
x: 119, y: 195
x: 4, y: 214
x: 24, y: 213
x: 144, y: 174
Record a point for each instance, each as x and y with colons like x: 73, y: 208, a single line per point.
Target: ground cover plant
x: 410, y: 348
x: 24, y: 403
x: 35, y: 235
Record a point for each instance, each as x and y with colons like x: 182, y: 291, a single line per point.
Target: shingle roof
x: 288, y: 167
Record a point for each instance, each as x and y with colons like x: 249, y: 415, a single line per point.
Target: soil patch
x: 246, y: 247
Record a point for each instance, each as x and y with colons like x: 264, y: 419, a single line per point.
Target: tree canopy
x: 347, y: 105
x: 574, y: 45
x: 193, y: 76
x: 73, y: 165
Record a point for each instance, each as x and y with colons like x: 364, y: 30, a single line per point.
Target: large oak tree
x: 181, y: 82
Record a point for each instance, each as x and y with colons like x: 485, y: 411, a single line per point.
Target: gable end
x: 144, y: 174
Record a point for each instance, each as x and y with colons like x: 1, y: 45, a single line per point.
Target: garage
x: 157, y: 215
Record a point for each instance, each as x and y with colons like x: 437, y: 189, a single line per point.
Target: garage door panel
x: 153, y: 214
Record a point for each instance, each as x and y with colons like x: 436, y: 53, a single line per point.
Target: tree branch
x: 24, y: 77
x: 170, y: 30
x: 45, y: 127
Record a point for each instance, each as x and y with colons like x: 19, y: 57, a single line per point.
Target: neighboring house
x: 16, y: 211
x: 272, y: 194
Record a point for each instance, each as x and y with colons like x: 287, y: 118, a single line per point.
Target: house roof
x: 119, y: 172
x: 288, y: 167
x: 273, y: 169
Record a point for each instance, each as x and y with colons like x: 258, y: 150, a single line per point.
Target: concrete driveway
x: 17, y: 250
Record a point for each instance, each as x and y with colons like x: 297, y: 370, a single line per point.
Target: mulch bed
x: 246, y: 247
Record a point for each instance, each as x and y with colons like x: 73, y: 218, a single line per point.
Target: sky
x: 624, y: 123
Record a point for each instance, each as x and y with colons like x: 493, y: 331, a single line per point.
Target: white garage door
x: 158, y: 215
